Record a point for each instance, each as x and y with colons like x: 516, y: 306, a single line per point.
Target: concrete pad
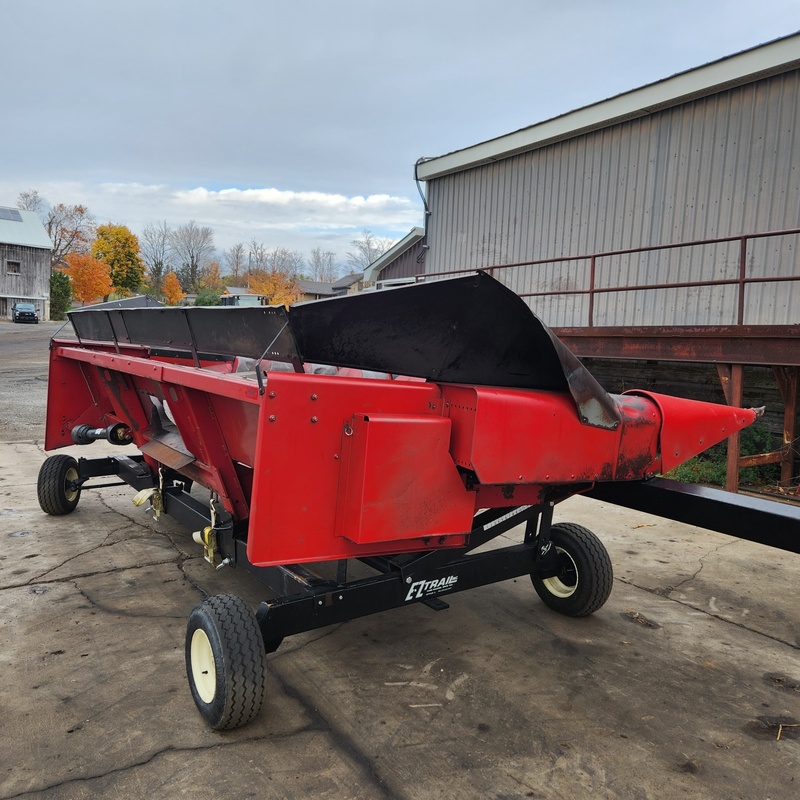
x: 669, y: 690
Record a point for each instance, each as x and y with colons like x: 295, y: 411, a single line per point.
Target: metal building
x: 662, y: 223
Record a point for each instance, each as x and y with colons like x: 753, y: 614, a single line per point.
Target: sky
x: 297, y: 123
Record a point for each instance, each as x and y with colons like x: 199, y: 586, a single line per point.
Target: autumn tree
x: 90, y: 278
x: 366, y: 250
x: 155, y: 251
x: 116, y: 246
x: 192, y: 246
x: 211, y: 279
x: 71, y: 230
x: 279, y: 287
x: 70, y: 227
x: 322, y: 265
x: 236, y: 260
x: 171, y: 287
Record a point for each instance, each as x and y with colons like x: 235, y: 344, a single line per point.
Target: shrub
x: 208, y: 297
x: 711, y: 466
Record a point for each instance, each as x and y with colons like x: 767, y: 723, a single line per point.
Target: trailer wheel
x: 586, y: 576
x: 56, y: 485
x: 225, y: 661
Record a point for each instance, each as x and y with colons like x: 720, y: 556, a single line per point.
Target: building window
x: 13, y: 267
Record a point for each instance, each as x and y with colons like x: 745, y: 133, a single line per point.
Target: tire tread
x: 597, y: 573
x: 244, y: 660
x: 50, y: 485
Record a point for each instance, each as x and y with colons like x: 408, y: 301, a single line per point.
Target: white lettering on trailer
x: 424, y: 588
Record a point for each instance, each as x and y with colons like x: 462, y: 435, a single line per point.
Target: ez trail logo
x: 420, y: 589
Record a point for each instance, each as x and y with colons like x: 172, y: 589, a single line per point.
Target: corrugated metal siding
x: 405, y: 265
x: 723, y: 165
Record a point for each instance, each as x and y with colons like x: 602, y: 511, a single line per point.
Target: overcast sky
x: 297, y: 123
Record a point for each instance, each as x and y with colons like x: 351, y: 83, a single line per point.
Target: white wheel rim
x: 204, y: 668
x: 72, y: 475
x: 556, y: 586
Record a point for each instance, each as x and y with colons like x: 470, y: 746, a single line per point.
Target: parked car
x: 24, y: 312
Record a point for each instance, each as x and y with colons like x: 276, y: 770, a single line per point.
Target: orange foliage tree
x: 211, y: 279
x: 279, y: 287
x: 171, y: 287
x: 90, y: 278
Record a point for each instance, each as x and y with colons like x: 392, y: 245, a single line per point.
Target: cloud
x: 299, y: 210
x: 297, y: 220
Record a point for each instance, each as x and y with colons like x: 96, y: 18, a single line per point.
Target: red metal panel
x: 689, y: 426
x: 71, y: 401
x: 302, y: 427
x: 519, y: 436
x: 512, y: 436
x: 100, y: 387
x: 399, y: 480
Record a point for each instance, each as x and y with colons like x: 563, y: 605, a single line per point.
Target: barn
x: 25, y: 251
x: 660, y: 225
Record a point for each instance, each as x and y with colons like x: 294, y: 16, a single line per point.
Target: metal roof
x: 772, y: 58
x: 30, y: 232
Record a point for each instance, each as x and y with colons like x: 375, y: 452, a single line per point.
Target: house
x: 349, y: 284
x: 315, y: 290
x: 25, y: 250
x: 400, y: 263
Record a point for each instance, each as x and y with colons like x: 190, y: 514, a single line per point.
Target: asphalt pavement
x: 685, y: 684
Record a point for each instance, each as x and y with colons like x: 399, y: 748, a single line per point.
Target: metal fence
x: 742, y: 276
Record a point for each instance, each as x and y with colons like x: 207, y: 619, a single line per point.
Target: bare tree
x: 155, y: 251
x: 31, y: 200
x: 323, y: 265
x: 192, y: 246
x: 236, y: 260
x: 256, y: 256
x: 289, y: 262
x: 366, y: 250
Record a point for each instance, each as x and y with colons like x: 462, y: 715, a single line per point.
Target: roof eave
x: 409, y: 240
x: 781, y: 55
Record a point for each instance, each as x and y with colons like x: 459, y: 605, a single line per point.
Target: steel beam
x: 713, y: 344
x: 767, y: 522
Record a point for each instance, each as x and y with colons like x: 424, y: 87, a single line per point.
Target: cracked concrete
x: 676, y: 687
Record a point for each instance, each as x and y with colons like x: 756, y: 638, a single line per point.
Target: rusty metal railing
x: 742, y: 280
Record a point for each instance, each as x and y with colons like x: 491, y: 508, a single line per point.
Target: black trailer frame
x: 306, y: 600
